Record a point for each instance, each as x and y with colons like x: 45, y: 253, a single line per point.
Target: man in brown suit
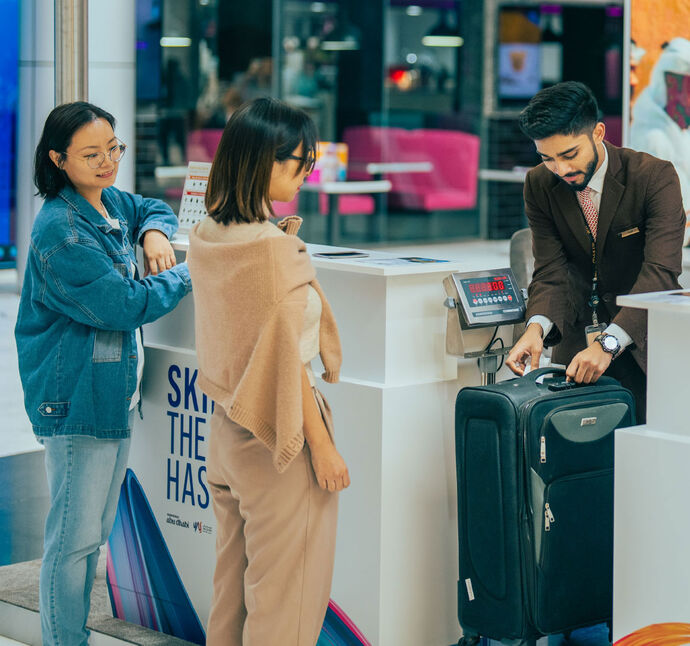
x: 629, y: 205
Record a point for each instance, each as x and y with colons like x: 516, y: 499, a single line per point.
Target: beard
x: 589, y: 171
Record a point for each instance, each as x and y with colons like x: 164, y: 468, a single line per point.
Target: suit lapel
x: 570, y: 211
x: 610, y: 197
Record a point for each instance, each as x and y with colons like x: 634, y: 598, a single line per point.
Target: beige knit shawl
x: 249, y: 302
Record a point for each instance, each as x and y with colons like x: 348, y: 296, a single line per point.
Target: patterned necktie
x: 589, y: 209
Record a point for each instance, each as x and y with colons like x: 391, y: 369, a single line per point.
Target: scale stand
x: 488, y: 363
x: 478, y: 301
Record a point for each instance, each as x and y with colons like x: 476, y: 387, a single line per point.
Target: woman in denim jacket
x: 79, y: 344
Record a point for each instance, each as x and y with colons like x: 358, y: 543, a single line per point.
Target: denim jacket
x: 79, y: 310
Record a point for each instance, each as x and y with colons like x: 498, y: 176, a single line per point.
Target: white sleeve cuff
x: 623, y: 338
x: 546, y: 324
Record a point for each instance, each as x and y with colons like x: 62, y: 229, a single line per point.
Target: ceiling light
x: 331, y: 45
x: 414, y: 10
x: 175, y: 41
x: 443, y: 35
x: 345, y: 37
x: 443, y: 41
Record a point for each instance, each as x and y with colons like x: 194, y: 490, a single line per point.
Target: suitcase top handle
x: 539, y: 373
x: 556, y: 386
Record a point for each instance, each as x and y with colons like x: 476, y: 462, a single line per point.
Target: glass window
x: 406, y: 85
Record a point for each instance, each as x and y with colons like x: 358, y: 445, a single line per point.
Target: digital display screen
x: 484, y: 291
x: 492, y: 286
x: 488, y: 298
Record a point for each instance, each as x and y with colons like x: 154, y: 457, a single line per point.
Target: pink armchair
x: 452, y: 184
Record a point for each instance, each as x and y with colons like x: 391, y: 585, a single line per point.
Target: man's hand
x: 329, y: 467
x: 587, y: 366
x: 158, y: 253
x: 529, y: 347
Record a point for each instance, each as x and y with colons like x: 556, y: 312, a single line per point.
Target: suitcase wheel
x: 469, y: 641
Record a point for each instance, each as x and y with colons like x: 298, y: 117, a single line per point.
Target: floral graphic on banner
x: 669, y: 634
x: 145, y: 587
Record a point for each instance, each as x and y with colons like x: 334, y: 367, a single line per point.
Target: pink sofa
x: 451, y: 185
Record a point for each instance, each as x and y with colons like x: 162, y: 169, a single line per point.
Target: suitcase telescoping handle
x: 540, y: 373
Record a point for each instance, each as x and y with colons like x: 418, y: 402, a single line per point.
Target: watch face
x: 610, y: 343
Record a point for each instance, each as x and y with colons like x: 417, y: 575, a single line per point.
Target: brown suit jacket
x: 639, y: 248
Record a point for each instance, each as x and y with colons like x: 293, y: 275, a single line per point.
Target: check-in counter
x: 396, y: 555
x: 652, y: 480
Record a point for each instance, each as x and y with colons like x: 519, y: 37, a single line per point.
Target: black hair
x: 567, y: 108
x: 59, y: 128
x: 258, y: 134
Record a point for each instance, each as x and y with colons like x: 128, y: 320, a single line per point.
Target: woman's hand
x: 329, y: 467
x: 158, y: 252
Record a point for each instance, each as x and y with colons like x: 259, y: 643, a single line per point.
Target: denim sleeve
x: 82, y: 282
x: 144, y: 213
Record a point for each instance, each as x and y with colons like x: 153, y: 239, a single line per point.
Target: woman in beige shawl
x: 261, y: 317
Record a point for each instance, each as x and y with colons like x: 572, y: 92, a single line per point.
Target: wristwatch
x: 609, y: 343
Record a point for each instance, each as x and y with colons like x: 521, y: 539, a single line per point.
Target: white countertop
x: 376, y: 263
x: 668, y: 301
x: 465, y: 256
x: 675, y: 300
x: 379, y: 263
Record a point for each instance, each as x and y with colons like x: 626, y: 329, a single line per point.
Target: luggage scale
x: 478, y: 301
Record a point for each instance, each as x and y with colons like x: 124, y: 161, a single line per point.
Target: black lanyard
x: 594, y: 297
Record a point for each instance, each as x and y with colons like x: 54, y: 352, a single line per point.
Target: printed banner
x: 161, y: 552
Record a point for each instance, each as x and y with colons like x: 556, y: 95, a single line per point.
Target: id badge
x: 593, y: 331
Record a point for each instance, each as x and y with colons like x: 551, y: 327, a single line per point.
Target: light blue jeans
x: 84, y: 479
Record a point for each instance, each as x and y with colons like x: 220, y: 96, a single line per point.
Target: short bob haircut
x: 258, y: 134
x: 567, y: 108
x: 59, y: 128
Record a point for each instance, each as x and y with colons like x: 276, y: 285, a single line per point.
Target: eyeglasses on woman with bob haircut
x: 258, y: 134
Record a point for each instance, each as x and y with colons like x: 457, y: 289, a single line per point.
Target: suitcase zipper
x: 548, y: 517
x: 543, y: 556
x: 545, y: 423
x: 532, y: 561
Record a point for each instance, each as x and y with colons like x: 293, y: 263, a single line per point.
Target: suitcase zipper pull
x: 548, y: 518
x: 542, y: 450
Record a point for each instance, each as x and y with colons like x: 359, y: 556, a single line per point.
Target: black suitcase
x: 534, y: 465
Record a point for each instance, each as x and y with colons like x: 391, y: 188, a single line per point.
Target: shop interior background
x: 360, y: 63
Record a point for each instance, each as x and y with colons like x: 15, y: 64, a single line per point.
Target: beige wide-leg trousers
x: 275, y: 544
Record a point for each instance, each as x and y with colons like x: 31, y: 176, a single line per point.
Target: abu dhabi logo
x: 174, y: 519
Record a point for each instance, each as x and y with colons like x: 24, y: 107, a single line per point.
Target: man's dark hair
x: 257, y: 135
x: 567, y: 108
x: 59, y: 128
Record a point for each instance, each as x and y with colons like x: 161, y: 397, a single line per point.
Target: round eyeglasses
x: 95, y: 160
